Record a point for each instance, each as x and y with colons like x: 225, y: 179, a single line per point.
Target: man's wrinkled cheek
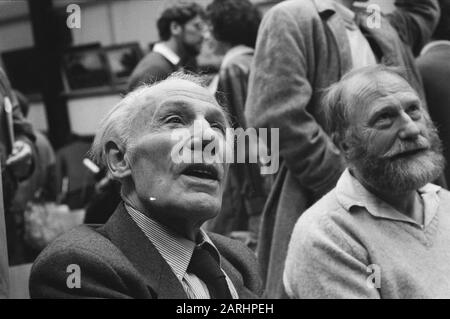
x: 379, y: 144
x: 156, y: 152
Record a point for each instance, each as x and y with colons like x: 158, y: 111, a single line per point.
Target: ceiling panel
x: 13, y: 9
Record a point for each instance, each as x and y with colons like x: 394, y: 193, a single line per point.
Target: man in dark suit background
x: 434, y: 65
x: 152, y: 246
x: 180, y: 29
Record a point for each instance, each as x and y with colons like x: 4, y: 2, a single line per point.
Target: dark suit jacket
x: 118, y: 261
x: 153, y: 67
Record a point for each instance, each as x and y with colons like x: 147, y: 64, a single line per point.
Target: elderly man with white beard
x: 384, y: 230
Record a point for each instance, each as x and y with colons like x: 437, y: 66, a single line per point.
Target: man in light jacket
x: 303, y: 47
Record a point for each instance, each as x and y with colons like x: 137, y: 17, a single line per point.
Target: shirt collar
x: 324, y: 5
x: 347, y: 15
x: 332, y: 6
x: 350, y: 193
x: 176, y: 250
x: 166, y: 52
x: 434, y: 44
x: 431, y: 200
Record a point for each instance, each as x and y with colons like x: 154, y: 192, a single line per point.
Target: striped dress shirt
x: 177, y: 252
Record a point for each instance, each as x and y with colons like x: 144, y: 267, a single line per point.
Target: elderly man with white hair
x: 384, y: 230
x: 152, y: 246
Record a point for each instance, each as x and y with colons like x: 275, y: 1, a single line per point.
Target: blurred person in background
x: 434, y: 64
x: 17, y: 164
x: 42, y: 183
x: 233, y: 28
x: 303, y: 47
x: 40, y: 186
x: 75, y: 181
x: 181, y: 29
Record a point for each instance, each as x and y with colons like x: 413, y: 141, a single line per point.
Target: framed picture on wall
x: 122, y: 59
x: 85, y: 67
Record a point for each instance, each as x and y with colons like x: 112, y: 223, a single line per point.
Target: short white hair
x: 118, y: 125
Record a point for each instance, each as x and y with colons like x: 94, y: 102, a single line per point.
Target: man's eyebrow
x: 386, y: 107
x: 411, y: 99
x: 392, y: 104
x: 174, y: 105
x: 217, y: 114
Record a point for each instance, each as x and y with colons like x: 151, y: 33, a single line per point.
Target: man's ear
x: 118, y: 165
x: 175, y: 28
x: 341, y: 143
x: 344, y: 147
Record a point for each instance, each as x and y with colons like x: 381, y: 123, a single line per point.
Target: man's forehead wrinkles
x: 187, y: 100
x: 399, y: 98
x: 399, y: 91
x: 183, y: 93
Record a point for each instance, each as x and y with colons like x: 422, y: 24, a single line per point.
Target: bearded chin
x: 400, y: 175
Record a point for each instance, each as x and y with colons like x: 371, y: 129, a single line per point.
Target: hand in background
x: 21, y: 159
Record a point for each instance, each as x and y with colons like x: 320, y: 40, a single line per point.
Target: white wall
x: 37, y: 116
x: 121, y: 21
x: 15, y: 36
x: 95, y: 25
x: 85, y: 114
x: 15, y: 28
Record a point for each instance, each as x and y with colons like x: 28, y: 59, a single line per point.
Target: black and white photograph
x: 263, y: 150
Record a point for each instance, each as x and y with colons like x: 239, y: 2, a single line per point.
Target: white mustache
x: 421, y: 143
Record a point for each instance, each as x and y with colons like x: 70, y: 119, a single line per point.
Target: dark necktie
x: 207, y: 268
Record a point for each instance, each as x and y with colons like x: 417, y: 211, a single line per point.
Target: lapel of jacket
x: 232, y: 273
x: 236, y: 279
x: 328, y: 13
x: 129, y: 238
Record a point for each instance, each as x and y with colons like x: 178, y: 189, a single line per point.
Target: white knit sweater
x: 350, y: 244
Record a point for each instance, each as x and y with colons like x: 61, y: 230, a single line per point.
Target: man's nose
x: 202, y: 134
x: 206, y: 34
x: 409, y: 129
